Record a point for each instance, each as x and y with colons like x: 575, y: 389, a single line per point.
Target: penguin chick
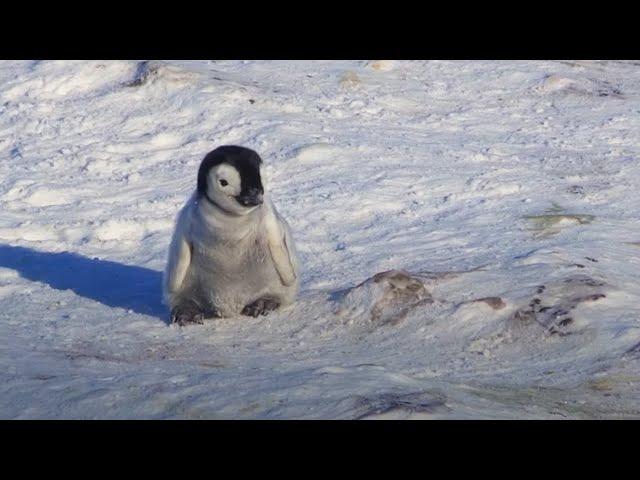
x: 231, y: 252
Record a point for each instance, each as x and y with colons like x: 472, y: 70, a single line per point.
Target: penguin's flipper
x: 179, y: 256
x: 279, y: 249
x: 179, y: 261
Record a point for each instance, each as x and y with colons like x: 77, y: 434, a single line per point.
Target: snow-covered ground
x: 509, y: 190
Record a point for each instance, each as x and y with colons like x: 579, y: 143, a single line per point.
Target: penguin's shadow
x: 110, y: 283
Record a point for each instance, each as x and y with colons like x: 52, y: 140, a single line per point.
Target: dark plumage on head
x: 246, y: 161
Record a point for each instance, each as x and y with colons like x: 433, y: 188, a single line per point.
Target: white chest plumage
x: 233, y: 259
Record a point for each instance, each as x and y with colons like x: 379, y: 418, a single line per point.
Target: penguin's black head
x: 229, y: 177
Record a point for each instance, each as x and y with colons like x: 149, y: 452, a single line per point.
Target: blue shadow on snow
x: 110, y: 283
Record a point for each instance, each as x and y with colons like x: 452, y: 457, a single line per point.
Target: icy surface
x: 508, y: 193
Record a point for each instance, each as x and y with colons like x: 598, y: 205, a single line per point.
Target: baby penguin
x: 231, y: 252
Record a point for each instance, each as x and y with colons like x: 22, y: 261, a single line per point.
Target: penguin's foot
x: 262, y: 306
x: 186, y: 317
x: 191, y: 315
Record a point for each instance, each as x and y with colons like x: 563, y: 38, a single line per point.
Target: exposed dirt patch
x: 385, y: 298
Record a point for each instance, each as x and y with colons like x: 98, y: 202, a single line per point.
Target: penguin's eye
x: 224, y: 183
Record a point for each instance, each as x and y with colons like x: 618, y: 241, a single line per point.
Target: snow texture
x: 468, y: 233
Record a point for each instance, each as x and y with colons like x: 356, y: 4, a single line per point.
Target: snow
x: 505, y: 194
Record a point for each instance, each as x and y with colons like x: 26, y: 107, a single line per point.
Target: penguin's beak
x: 251, y: 199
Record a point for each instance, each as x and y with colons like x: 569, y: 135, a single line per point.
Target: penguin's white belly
x: 229, y: 277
